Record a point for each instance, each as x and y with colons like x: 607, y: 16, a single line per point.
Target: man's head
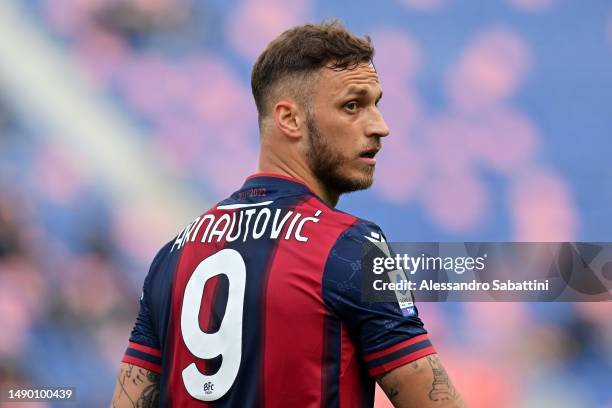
x: 316, y: 92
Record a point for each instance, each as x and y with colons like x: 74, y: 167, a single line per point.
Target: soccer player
x: 257, y: 302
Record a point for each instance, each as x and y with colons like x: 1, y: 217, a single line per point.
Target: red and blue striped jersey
x: 257, y: 303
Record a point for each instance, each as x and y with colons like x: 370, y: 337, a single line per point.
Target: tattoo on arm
x: 441, y: 388
x: 391, y: 386
x: 150, y: 395
x: 148, y: 398
x: 123, y: 376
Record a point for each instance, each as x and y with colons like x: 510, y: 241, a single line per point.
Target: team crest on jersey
x: 209, y: 387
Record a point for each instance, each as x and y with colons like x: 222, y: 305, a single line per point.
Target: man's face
x: 345, y: 127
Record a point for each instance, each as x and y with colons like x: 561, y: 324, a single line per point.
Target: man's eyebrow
x: 357, y: 90
x: 361, y: 91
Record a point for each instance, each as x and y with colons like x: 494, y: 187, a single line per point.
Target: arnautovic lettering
x: 247, y: 223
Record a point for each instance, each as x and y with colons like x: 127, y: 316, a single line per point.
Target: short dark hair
x: 303, y: 50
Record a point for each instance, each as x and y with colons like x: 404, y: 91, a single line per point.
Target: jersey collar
x: 278, y: 182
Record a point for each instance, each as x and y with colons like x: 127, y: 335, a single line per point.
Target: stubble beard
x: 326, y: 164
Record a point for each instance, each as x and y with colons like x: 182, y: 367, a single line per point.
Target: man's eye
x: 351, y: 106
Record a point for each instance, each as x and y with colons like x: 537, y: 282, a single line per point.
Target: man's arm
x: 136, y: 387
x: 422, y: 383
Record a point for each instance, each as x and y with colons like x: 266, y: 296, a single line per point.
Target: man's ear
x: 288, y: 118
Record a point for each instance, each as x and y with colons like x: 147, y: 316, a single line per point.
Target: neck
x: 301, y: 172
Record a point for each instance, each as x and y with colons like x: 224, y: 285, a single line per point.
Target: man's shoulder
x: 369, y: 231
x: 352, y: 224
x: 162, y: 265
x: 344, y: 260
x: 362, y: 230
x: 355, y: 234
x: 162, y: 255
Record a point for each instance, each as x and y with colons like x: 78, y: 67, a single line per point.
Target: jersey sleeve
x: 144, y: 346
x: 385, y: 337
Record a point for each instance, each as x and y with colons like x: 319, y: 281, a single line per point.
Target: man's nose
x: 377, y: 126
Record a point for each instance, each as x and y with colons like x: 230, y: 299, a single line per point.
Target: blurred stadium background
x: 120, y: 120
